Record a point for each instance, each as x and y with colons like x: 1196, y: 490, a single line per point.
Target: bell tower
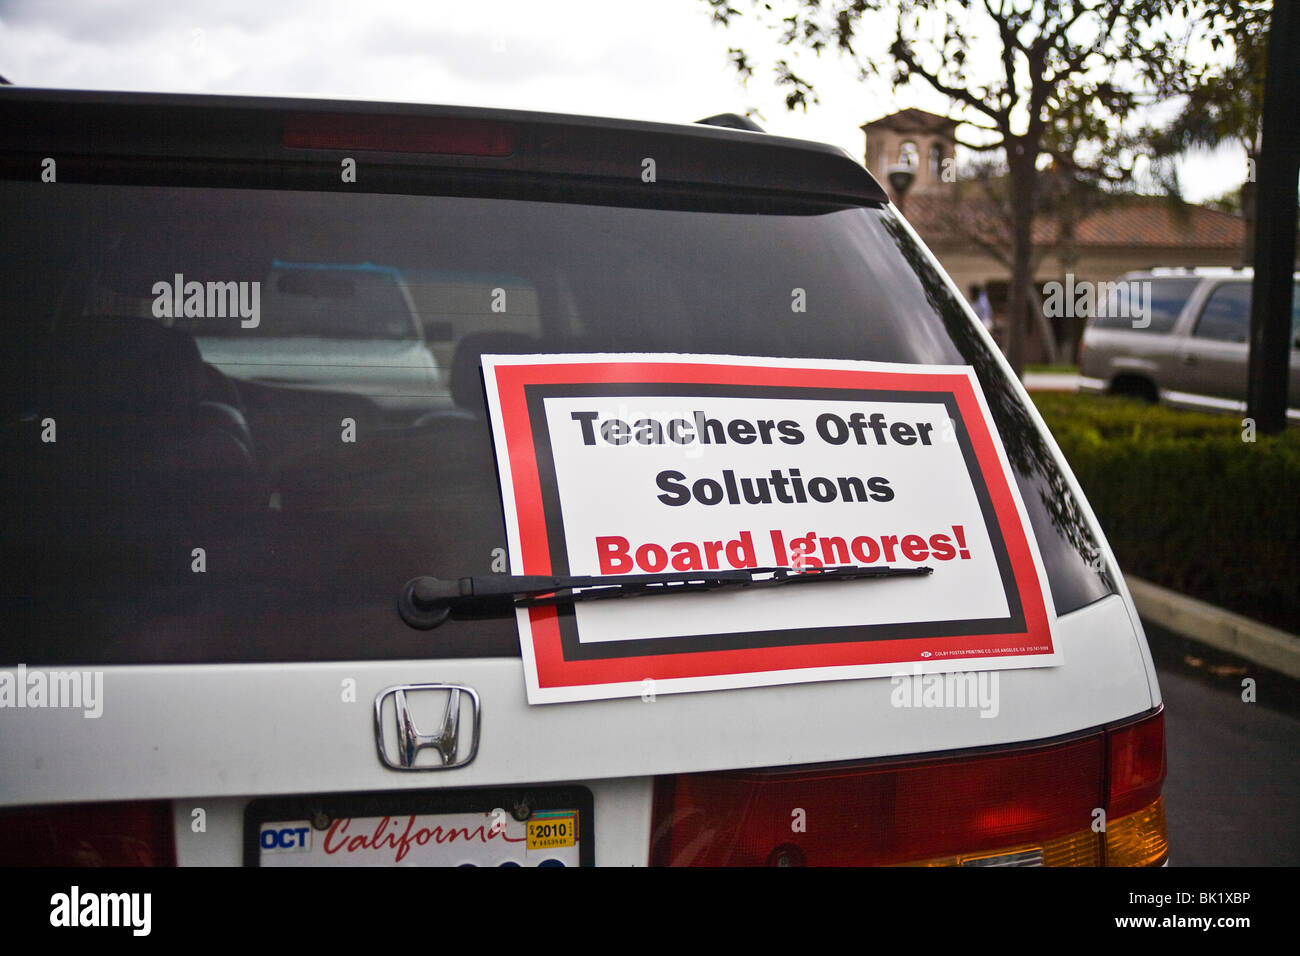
x: 915, y: 138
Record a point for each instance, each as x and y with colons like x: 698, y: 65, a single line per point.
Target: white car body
x: 156, y: 736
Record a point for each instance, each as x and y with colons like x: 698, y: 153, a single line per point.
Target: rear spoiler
x: 268, y: 142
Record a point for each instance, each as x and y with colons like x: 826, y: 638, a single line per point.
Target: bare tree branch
x: 904, y: 55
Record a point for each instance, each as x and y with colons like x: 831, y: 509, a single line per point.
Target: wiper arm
x: 425, y: 602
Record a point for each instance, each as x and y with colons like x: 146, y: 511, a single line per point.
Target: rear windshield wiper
x: 425, y: 602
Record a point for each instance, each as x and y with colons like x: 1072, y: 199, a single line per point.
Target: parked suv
x: 231, y: 571
x: 1191, y: 350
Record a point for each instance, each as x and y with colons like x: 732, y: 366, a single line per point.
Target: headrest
x: 124, y: 365
x: 466, y: 383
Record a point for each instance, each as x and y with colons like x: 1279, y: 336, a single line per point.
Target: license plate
x: 544, y: 826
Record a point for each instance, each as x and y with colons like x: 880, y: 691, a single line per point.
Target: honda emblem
x: 454, y: 740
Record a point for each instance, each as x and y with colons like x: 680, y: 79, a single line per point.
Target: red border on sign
x: 553, y: 671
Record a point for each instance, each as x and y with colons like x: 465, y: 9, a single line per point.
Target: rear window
x: 235, y: 422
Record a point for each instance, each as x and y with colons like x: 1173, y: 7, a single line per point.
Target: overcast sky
x: 652, y: 59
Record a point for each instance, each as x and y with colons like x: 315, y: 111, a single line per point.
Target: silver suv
x: 1190, y: 350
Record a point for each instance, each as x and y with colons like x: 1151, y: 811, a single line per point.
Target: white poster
x: 616, y: 465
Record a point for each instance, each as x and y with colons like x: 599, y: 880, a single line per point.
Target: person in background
x: 979, y: 301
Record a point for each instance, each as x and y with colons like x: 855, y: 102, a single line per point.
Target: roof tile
x: 1143, y: 221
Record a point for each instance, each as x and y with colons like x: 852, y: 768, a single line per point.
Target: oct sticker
x: 669, y: 464
x: 550, y: 831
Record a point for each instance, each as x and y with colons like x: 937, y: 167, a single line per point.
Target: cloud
x: 577, y: 55
x: 646, y: 59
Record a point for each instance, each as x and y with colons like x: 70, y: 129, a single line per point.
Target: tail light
x: 101, y: 834
x: 1135, y: 832
x: 1087, y: 801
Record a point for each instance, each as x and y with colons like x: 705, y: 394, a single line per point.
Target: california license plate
x: 549, y: 826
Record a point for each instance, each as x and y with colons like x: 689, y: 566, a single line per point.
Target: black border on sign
x: 404, y: 803
x: 575, y: 650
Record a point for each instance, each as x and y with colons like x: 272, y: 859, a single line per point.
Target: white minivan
x: 211, y: 648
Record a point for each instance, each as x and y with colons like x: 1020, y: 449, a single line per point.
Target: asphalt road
x: 1232, y: 796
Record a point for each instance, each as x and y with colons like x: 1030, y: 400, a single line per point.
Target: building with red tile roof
x: 965, y: 228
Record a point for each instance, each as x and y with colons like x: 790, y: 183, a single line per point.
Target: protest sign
x: 633, y: 464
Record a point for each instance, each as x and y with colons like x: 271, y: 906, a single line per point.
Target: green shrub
x: 1186, y: 502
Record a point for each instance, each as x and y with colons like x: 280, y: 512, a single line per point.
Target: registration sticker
x: 552, y: 831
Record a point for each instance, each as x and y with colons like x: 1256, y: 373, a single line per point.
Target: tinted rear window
x: 241, y: 483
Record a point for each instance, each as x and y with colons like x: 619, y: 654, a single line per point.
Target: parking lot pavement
x: 1234, y: 782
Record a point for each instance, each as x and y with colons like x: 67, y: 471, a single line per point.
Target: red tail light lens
x: 1036, y: 803
x: 877, y: 814
x: 408, y: 134
x: 105, y: 834
x: 1137, y: 765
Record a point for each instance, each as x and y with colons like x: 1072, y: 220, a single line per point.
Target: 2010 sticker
x: 550, y: 831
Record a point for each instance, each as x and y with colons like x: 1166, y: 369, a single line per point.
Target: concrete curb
x: 1267, y: 646
x: 1051, y: 382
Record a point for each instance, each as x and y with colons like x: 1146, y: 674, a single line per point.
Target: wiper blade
x: 425, y: 602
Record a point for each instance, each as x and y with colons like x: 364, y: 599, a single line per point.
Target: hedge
x: 1187, y: 502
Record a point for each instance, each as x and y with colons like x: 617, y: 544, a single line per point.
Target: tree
x: 1062, y: 80
x: 1225, y: 105
x: 981, y: 217
x: 1272, y: 332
